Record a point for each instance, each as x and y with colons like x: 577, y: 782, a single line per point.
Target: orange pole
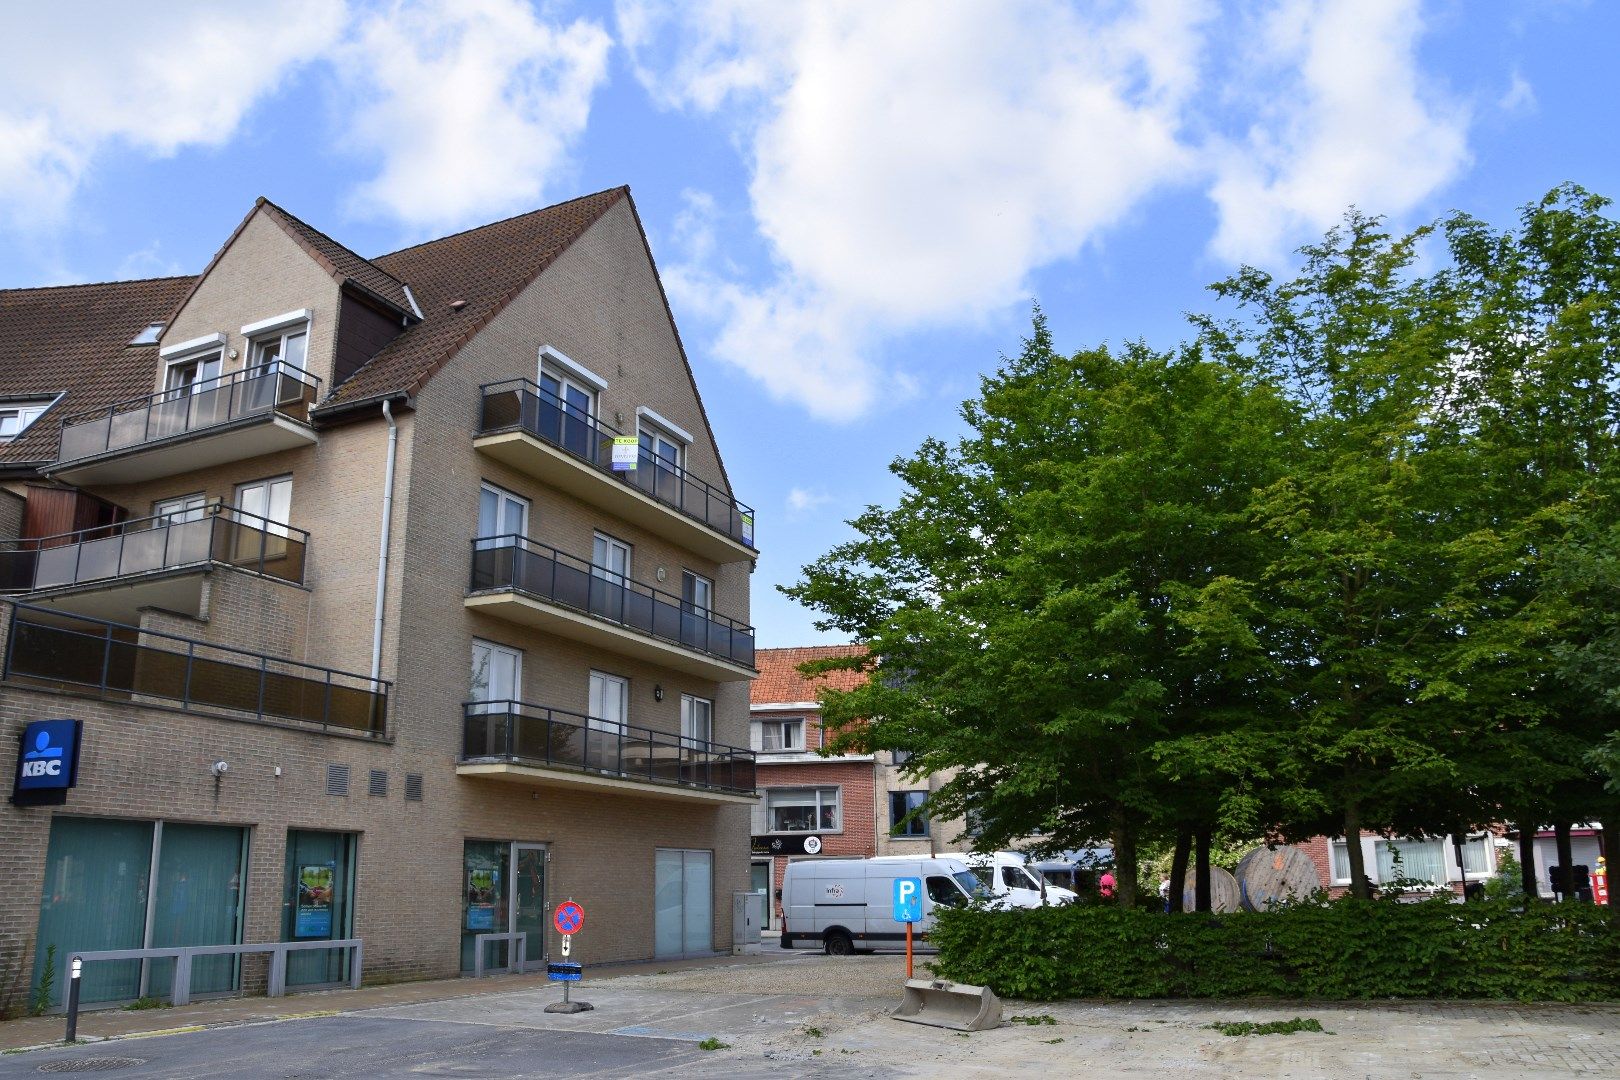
x: 908, y: 952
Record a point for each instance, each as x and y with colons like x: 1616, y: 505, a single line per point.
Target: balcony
x: 48, y: 649
x: 534, y: 745
x: 259, y: 410
x: 114, y: 570
x: 535, y: 433
x: 524, y: 582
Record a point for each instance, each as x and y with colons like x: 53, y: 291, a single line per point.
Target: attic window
x: 15, y: 416
x: 149, y: 336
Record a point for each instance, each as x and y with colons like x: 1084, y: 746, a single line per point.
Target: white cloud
x: 153, y: 77
x: 1520, y: 96
x: 471, y: 105
x: 801, y: 501
x: 912, y: 164
x: 1342, y: 115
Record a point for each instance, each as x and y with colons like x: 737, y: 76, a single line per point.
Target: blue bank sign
x: 47, y: 762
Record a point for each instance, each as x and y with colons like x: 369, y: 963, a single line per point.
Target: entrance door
x: 529, y: 913
x: 759, y: 880
x: 319, y: 904
x: 683, y: 900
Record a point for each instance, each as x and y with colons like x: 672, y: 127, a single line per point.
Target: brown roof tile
x: 487, y: 267
x: 780, y: 682
x: 74, y: 339
x: 340, y: 262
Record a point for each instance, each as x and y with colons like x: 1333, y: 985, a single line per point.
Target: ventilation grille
x: 337, y: 779
x: 379, y: 783
x: 413, y: 786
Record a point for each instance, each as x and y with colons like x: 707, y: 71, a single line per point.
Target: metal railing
x: 515, y: 562
x: 517, y: 942
x: 524, y: 734
x: 252, y: 391
x: 214, y: 534
x: 521, y: 405
x: 47, y: 647
x: 276, y: 985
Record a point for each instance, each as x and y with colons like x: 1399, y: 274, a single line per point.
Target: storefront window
x: 485, y: 880
x: 198, y: 902
x: 319, y: 904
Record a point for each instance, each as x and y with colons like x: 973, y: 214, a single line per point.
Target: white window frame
x: 706, y: 610
x: 607, y: 573
x: 659, y: 435
x: 272, y: 524
x: 505, y: 497
x: 201, y: 358
x: 604, y: 723
x: 781, y: 724
x: 691, y: 707
x: 669, y: 427
x: 820, y: 803
x: 27, y: 411
x: 495, y: 649
x: 570, y: 375
x: 180, y: 509
x: 278, y: 329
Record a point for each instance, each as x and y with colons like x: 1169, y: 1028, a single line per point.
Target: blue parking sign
x: 908, y: 899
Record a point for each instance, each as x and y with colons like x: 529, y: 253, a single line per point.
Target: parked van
x: 847, y: 904
x: 1007, y: 874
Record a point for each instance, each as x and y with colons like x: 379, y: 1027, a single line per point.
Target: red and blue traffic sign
x: 570, y: 917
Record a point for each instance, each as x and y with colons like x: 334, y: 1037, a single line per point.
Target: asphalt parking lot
x: 811, y: 1015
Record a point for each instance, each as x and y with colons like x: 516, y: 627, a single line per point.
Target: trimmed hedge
x: 1344, y: 949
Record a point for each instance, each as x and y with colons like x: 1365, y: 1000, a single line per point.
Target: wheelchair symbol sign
x: 908, y: 899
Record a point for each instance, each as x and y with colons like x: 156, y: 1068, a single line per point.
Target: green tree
x: 1053, y: 596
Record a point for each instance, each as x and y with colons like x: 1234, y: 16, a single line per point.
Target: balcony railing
x: 211, y: 403
x: 519, y: 564
x: 520, y: 405
x: 127, y: 663
x: 524, y: 734
x: 216, y: 534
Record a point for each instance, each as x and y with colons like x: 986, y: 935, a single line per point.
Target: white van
x: 847, y: 904
x: 1007, y: 874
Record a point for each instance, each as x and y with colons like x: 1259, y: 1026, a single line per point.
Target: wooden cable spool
x: 1224, y: 894
x: 1267, y: 877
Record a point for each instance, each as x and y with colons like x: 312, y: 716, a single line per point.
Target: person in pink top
x: 1105, y: 885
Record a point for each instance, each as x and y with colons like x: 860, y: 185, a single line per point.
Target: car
x: 842, y: 905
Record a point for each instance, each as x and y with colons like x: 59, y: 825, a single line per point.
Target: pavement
x: 804, y: 1014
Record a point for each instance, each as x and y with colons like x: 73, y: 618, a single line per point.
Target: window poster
x: 314, y: 917
x: 483, y: 887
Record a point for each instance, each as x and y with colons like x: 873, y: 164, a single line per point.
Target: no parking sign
x: 570, y: 917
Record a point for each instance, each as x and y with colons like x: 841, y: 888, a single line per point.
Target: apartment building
x: 396, y: 599
x: 815, y: 806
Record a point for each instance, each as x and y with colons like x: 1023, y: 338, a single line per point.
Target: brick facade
x: 599, y: 303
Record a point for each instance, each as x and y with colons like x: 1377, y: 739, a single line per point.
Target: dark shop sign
x: 786, y: 845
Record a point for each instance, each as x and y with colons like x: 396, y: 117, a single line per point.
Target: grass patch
x: 814, y: 1032
x: 712, y: 1043
x: 1270, y: 1027
x: 1033, y: 1021
x: 1053, y: 1042
x: 143, y: 1003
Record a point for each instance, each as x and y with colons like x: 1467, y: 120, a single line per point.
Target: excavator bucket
x: 957, y: 1006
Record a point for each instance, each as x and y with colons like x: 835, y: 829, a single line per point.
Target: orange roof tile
x: 780, y: 682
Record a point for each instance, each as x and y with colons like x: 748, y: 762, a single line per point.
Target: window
x: 148, y: 336
x: 266, y: 504
x: 1476, y: 855
x: 192, y: 374
x: 1341, y: 861
x: 781, y: 734
x: 802, y: 810
x: 902, y: 803
x: 287, y: 347
x: 900, y: 757
x: 697, y: 719
x: 497, y: 675
x: 697, y: 594
x: 610, y: 559
x: 1423, y: 860
x: 945, y: 890
x: 15, y: 416
x: 502, y: 517
x: 179, y: 510
x: 663, y: 450
x: 609, y: 706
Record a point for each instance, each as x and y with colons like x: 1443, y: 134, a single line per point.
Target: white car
x: 1006, y: 874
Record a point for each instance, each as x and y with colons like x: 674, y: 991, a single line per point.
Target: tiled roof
x: 339, y: 261
x: 487, y: 267
x: 779, y: 680
x: 75, y: 339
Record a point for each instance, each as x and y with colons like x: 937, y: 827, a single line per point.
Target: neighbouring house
x: 1431, y: 860
x: 393, y: 598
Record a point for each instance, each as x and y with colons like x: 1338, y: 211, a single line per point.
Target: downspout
x: 382, y: 544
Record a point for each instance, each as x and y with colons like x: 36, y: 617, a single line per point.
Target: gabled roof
x: 780, y: 682
x: 343, y: 264
x: 74, y: 340
x: 487, y: 267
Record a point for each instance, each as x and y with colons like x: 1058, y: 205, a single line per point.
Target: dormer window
x: 15, y: 416
x: 282, y: 341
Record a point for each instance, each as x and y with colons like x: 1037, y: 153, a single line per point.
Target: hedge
x: 1344, y: 949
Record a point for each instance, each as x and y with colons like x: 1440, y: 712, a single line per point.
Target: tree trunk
x: 1124, y: 861
x: 1566, y: 856
x: 1201, y: 897
x: 1178, y: 870
x: 1360, y: 887
x: 1527, y: 862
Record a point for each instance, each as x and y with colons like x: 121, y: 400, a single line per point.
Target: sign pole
x: 908, y: 952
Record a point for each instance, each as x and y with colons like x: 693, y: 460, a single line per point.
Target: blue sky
x: 852, y: 204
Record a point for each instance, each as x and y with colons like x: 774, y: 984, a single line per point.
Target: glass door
x: 97, y: 876
x: 759, y: 880
x: 529, y: 913
x: 608, y: 710
x: 319, y: 904
x: 683, y: 903
x: 198, y: 901
x: 486, y: 899
x: 610, y: 573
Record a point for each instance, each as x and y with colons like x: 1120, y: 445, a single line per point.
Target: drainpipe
x: 382, y: 544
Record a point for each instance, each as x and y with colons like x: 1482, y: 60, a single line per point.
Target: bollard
x: 76, y: 968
